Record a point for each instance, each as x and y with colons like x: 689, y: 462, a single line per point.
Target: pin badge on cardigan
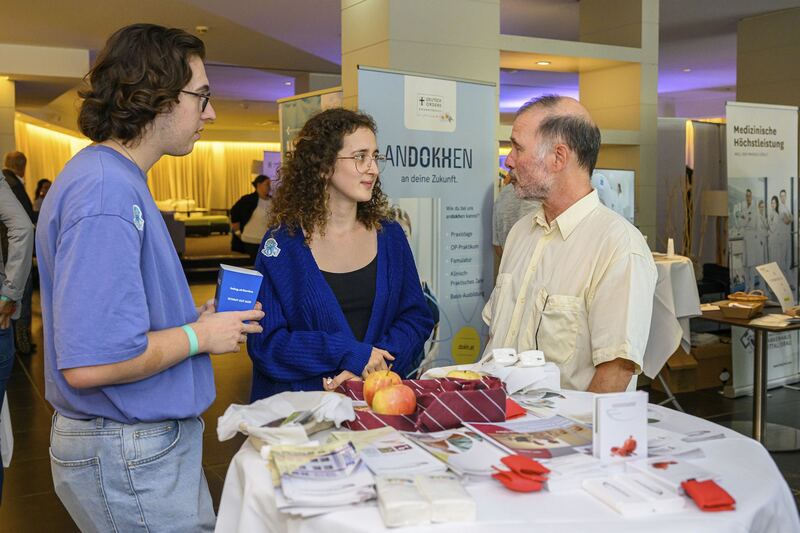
x: 271, y: 248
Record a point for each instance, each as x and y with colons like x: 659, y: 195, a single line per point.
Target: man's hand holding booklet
x: 237, y: 288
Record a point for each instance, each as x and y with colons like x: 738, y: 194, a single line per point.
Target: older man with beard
x: 576, y: 279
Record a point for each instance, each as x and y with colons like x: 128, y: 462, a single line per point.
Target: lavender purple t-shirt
x: 109, y: 274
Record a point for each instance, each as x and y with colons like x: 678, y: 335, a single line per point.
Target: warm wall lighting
x: 543, y: 63
x: 242, y: 145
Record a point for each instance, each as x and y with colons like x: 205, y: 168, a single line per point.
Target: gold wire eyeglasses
x: 363, y: 162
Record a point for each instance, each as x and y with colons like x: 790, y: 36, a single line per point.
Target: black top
x: 355, y: 292
x: 18, y: 188
x: 241, y: 212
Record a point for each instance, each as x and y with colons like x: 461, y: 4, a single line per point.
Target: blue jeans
x: 6, y: 364
x: 131, y: 477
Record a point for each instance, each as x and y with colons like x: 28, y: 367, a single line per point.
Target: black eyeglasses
x: 363, y: 161
x: 204, y: 98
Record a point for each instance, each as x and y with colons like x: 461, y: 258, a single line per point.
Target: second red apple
x: 379, y: 380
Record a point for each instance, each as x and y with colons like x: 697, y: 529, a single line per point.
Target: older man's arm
x: 620, y: 311
x: 613, y: 376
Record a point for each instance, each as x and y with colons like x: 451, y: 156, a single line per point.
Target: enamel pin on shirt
x: 138, y: 219
x: 271, y: 248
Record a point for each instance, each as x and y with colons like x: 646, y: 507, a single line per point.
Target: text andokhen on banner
x: 438, y: 136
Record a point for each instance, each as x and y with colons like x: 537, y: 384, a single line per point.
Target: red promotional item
x: 517, y: 483
x: 526, y: 475
x: 441, y: 404
x: 513, y: 409
x: 525, y: 465
x: 709, y: 496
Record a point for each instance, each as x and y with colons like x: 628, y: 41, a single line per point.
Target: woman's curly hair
x: 138, y: 75
x: 301, y: 201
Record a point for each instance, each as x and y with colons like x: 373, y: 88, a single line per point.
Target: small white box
x: 633, y: 495
x: 504, y: 356
x: 530, y: 358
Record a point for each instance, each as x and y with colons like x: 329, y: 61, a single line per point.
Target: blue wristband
x: 194, y: 345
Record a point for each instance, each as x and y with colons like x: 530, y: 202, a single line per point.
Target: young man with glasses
x: 127, y: 364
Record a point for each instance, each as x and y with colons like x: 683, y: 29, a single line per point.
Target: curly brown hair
x: 301, y: 201
x: 138, y: 75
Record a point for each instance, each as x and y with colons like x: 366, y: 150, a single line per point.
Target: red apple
x: 395, y: 400
x: 379, y: 380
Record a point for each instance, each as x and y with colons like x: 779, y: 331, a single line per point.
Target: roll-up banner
x: 762, y: 225
x: 294, y: 111
x: 438, y: 136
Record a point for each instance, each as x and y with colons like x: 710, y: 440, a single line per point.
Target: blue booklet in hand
x: 237, y: 288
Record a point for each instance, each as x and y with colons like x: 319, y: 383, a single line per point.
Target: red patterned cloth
x: 441, y: 404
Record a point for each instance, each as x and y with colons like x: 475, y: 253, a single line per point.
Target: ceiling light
x: 543, y: 63
x: 687, y: 70
x: 287, y: 83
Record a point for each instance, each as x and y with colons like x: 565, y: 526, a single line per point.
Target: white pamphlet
x: 670, y: 471
x: 620, y: 426
x: 776, y: 281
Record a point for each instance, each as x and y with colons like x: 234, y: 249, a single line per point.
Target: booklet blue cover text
x: 237, y: 288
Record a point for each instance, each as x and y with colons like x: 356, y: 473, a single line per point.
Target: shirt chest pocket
x: 557, y: 328
x: 500, y: 307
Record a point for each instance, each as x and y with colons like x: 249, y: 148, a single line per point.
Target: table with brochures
x: 764, y: 502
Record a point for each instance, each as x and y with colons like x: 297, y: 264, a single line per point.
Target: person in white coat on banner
x: 779, y: 235
x: 748, y: 222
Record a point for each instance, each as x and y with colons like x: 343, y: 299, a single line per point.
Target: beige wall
x: 625, y: 96
x: 453, y: 38
x: 768, y: 59
x: 7, y: 100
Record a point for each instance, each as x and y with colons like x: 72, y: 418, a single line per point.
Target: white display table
x: 675, y: 302
x: 747, y: 472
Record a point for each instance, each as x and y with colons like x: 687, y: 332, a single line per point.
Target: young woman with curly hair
x: 341, y: 293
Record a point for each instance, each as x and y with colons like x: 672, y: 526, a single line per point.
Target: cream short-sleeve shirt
x: 580, y: 289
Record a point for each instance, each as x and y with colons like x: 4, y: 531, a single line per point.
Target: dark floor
x: 30, y: 505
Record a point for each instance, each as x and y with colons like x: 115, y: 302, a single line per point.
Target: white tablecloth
x: 747, y: 472
x: 675, y: 302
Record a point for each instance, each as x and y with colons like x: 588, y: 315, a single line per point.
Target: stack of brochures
x: 317, y: 479
x: 386, y: 451
x: 539, y: 438
x: 662, y: 442
x: 670, y: 471
x: 569, y: 471
x: 463, y: 450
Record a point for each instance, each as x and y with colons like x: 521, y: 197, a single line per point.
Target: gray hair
x: 581, y: 135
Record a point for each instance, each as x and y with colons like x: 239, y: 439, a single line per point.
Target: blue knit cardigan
x: 306, y: 336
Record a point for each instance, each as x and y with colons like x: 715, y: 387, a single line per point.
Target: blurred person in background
x: 15, y: 164
x: 249, y: 218
x: 42, y: 186
x: 14, y: 272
